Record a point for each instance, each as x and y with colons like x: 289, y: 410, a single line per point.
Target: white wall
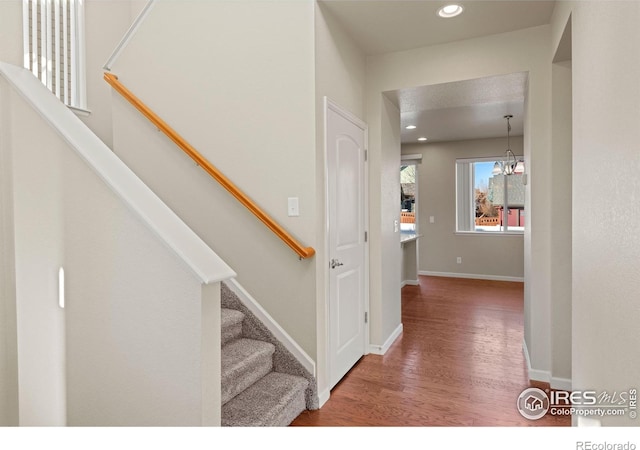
x: 491, y: 256
x: 606, y: 190
x: 561, y: 180
x: 409, y: 263
x: 39, y: 253
x: 10, y: 51
x: 340, y: 67
x: 105, y: 24
x: 385, y: 251
x: 8, y: 333
x: 128, y: 348
x: 520, y: 51
x: 561, y: 238
x: 236, y: 79
x: 133, y: 316
x: 339, y: 75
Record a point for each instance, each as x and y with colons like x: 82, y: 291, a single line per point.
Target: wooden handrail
x: 301, y: 251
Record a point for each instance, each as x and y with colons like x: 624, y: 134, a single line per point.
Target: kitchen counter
x: 408, y: 236
x: 409, y: 270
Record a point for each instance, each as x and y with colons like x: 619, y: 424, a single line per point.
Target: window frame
x: 465, y: 198
x: 412, y: 160
x: 44, y: 32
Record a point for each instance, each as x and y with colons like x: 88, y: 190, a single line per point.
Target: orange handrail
x: 301, y: 251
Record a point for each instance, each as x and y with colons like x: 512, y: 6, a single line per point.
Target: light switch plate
x: 293, y: 207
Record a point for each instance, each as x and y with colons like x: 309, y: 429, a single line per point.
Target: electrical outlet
x: 459, y: 259
x: 432, y: 219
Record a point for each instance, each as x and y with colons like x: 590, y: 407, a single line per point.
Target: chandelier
x: 511, y: 165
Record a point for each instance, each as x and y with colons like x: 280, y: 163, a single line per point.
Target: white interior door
x: 346, y: 160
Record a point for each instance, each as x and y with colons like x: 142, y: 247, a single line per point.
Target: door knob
x: 335, y: 263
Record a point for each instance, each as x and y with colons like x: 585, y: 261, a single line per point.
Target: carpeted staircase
x: 262, y: 383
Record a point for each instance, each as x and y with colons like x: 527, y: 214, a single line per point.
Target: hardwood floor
x: 458, y: 362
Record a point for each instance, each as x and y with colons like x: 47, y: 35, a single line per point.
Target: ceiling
x: 452, y: 111
x: 470, y: 109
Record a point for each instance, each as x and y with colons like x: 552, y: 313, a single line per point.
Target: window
x: 408, y: 198
x: 409, y: 193
x: 487, y: 202
x: 53, y: 33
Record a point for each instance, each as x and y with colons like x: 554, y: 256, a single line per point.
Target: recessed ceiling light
x: 410, y: 127
x: 422, y: 138
x: 449, y: 11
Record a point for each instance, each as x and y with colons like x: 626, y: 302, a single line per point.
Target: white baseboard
x: 540, y: 375
x: 409, y: 283
x: 562, y: 384
x: 382, y: 349
x: 323, y: 397
x: 588, y: 422
x: 534, y: 374
x: 473, y: 276
x: 525, y: 352
x: 272, y: 326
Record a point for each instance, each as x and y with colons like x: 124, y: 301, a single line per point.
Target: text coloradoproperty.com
x: 588, y: 411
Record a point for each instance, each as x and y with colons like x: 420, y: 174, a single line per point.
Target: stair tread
x: 262, y: 403
x: 230, y: 317
x: 231, y: 326
x: 241, y: 353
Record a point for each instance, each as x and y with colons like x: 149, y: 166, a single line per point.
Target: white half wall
x: 133, y: 316
x: 39, y: 254
x: 127, y: 349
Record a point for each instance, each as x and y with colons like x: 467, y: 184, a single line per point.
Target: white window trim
x: 464, y: 183
x: 490, y: 233
x: 413, y: 160
x: 56, y: 12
